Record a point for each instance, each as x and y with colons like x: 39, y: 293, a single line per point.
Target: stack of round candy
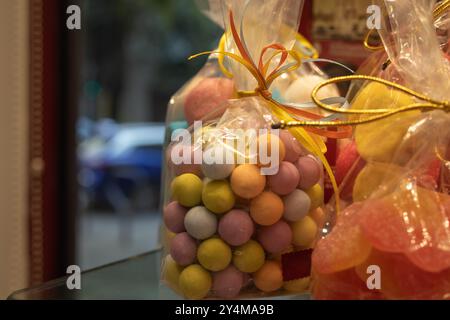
x: 231, y: 223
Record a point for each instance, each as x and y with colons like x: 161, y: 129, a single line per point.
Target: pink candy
x: 310, y: 171
x: 228, y: 282
x: 236, y: 227
x: 293, y: 148
x: 286, y: 180
x: 183, y: 249
x: 174, y: 217
x: 206, y: 97
x: 275, y: 238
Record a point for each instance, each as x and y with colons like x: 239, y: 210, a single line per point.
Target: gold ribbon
x: 428, y: 104
x: 265, y: 77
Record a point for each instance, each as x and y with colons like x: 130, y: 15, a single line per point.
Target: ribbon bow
x: 308, y: 137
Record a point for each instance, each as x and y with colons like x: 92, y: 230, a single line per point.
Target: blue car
x: 123, y: 172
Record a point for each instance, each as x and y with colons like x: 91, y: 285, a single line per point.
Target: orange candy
x: 265, y: 148
x: 269, y: 277
x: 318, y: 216
x: 247, y: 181
x: 401, y: 279
x: 266, y: 209
x: 344, y: 247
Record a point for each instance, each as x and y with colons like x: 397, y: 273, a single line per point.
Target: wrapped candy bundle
x: 392, y: 241
x: 242, y: 204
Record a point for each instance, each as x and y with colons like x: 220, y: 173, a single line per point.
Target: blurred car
x: 123, y: 171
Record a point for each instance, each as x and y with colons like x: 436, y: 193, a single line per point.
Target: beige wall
x: 13, y: 145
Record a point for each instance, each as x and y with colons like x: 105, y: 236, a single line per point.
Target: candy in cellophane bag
x: 242, y: 207
x: 392, y: 240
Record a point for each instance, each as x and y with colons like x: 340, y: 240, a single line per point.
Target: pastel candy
x: 206, y: 97
x: 316, y: 195
x: 214, y: 254
x: 286, y: 180
x: 293, y: 148
x: 227, y: 283
x: 310, y: 171
x: 270, y: 149
x: 218, y: 163
x: 275, y: 238
x: 247, y: 181
x: 236, y: 227
x: 269, y: 277
x: 200, y: 223
x: 298, y: 285
x: 304, y: 232
x: 217, y: 196
x: 195, y: 282
x: 171, y: 271
x: 174, y: 217
x: 249, y: 257
x: 187, y: 189
x: 183, y: 249
x: 319, y: 217
x: 266, y: 209
x: 296, y: 205
x: 300, y: 89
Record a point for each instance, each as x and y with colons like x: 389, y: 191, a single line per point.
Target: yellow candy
x: 187, y: 189
x: 378, y: 96
x: 171, y: 271
x: 249, y: 257
x: 379, y: 140
x: 298, y: 285
x: 372, y: 176
x: 304, y: 232
x: 217, y: 196
x: 214, y: 254
x: 167, y: 236
x: 315, y: 193
x: 195, y: 282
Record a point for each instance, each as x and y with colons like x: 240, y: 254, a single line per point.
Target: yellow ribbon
x: 260, y: 72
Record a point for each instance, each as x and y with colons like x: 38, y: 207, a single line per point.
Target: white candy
x: 296, y: 205
x: 300, y: 90
x: 215, y: 161
x: 200, y: 223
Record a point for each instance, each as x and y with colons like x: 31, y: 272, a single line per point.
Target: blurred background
x: 82, y: 121
x: 132, y: 58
